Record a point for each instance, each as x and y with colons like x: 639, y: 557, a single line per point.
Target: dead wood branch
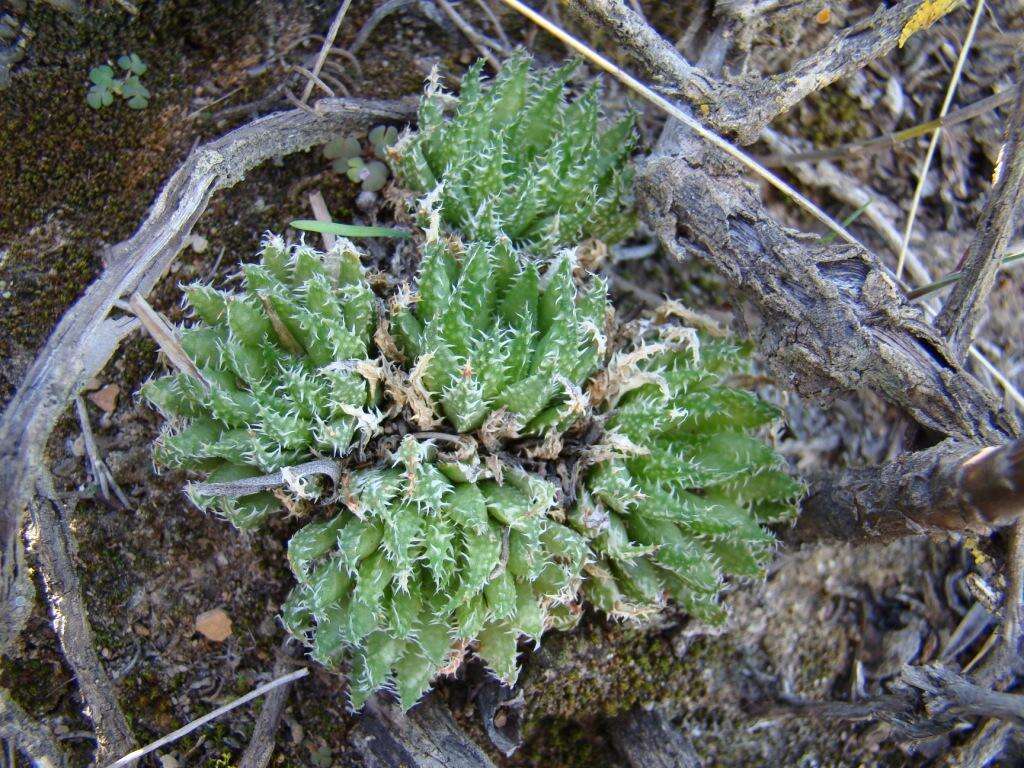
x: 947, y: 694
x: 425, y: 737
x: 55, y: 546
x: 966, y: 303
x: 745, y: 107
x: 133, y: 757
x: 954, y: 486
x: 646, y: 739
x: 264, y: 732
x: 831, y: 318
x: 32, y: 739
x: 86, y: 337
x: 925, y: 701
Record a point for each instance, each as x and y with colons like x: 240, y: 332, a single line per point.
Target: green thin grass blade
x: 347, y: 230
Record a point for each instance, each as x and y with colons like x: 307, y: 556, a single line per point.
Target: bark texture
x: 828, y: 318
x: 954, y: 486
x: 646, y: 739
x: 425, y: 737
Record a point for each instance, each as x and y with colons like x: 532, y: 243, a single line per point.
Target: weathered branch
x: 949, y: 695
x: 64, y: 593
x: 744, y: 107
x: 425, y: 737
x: 831, y: 318
x: 264, y: 732
x: 86, y: 337
x: 32, y: 739
x: 646, y: 739
x: 966, y: 302
x: 953, y: 486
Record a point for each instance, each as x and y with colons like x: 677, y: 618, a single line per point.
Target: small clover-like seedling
x: 340, y: 150
x: 101, y: 94
x: 372, y: 175
x: 132, y: 63
x: 382, y: 137
x: 346, y: 156
x: 106, y: 85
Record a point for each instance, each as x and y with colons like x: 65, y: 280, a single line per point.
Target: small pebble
x: 214, y: 625
x: 106, y: 398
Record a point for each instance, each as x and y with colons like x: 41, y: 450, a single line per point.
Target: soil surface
x: 830, y: 623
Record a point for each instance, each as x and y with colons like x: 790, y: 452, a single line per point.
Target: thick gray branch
x: 32, y: 739
x: 425, y: 737
x: 827, y: 317
x: 646, y: 739
x: 64, y: 593
x: 745, y: 107
x: 86, y: 337
x: 952, y: 487
x: 966, y: 303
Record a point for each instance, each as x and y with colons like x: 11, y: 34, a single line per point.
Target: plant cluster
x: 498, y: 449
x: 106, y: 85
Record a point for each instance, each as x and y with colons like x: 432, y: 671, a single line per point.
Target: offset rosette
x: 280, y: 373
x: 498, y: 342
x: 424, y: 564
x: 516, y: 159
x: 680, y: 488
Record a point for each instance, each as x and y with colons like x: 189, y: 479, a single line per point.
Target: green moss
x: 603, y: 670
x: 836, y: 117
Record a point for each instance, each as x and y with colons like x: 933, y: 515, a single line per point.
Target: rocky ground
x: 832, y: 623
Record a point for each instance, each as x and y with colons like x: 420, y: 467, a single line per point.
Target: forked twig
x: 481, y: 42
x: 100, y: 470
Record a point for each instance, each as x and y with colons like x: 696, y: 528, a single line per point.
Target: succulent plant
x: 426, y: 561
x: 279, y: 381
x: 682, y: 489
x: 516, y: 159
x: 499, y: 345
x: 431, y: 544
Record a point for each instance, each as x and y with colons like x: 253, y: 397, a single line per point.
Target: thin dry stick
x: 131, y: 757
x: 325, y: 49
x: 934, y: 142
x: 663, y: 103
x: 484, y: 6
x: 164, y: 336
x: 889, y: 140
x: 320, y: 213
x: 479, y: 41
